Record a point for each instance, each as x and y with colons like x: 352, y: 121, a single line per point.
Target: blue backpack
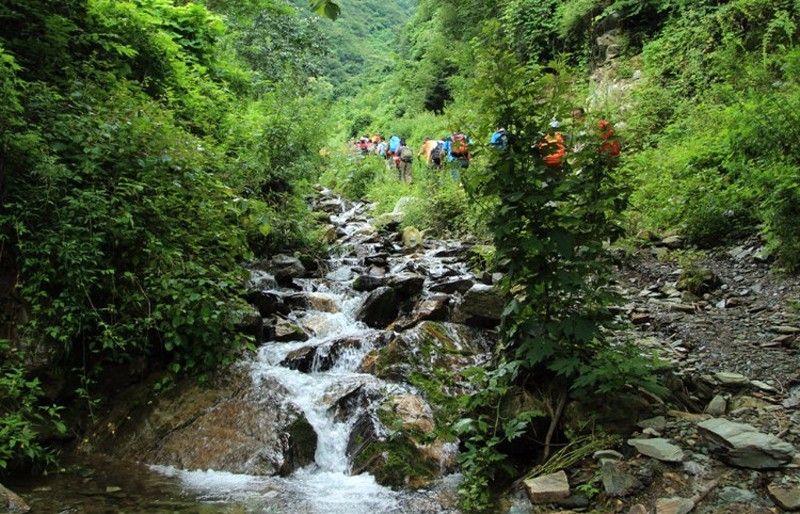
x: 499, y: 140
x: 394, y: 144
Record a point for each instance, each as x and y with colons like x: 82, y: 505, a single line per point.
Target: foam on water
x: 326, y: 486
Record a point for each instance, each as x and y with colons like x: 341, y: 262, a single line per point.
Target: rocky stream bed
x: 338, y: 410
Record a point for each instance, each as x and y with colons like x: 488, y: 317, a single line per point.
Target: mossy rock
x: 698, y: 280
x: 397, y: 462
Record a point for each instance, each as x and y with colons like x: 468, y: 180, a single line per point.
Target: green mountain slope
x: 362, y: 39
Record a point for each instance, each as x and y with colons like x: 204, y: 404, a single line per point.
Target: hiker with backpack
x: 437, y: 155
x: 459, y: 147
x: 499, y: 139
x: 433, y: 151
x: 553, y: 148
x: 394, y: 145
x: 405, y: 158
x: 610, y: 145
x: 458, y: 154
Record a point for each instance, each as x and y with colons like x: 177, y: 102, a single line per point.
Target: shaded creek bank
x: 333, y: 412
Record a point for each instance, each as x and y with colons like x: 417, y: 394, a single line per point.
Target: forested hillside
x: 571, y: 284
x: 362, y: 42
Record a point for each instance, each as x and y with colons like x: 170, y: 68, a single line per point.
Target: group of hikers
x: 453, y: 150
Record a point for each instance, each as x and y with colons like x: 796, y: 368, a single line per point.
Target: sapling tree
x: 552, y: 222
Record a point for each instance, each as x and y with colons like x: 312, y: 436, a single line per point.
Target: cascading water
x: 327, y: 485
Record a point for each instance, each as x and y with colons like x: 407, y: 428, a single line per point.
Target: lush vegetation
x: 704, y: 95
x: 146, y: 147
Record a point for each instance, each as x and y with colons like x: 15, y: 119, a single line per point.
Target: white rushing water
x: 327, y: 486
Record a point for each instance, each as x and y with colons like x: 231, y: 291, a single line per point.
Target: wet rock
x: 268, y: 303
x: 548, y: 489
x: 301, y: 359
x: 11, y: 503
x: 413, y: 412
x: 407, y: 284
x: 659, y: 449
x: 743, y: 446
x: 674, y: 506
x: 367, y: 283
x: 380, y: 308
x: 301, y: 445
x: 357, y: 397
x: 322, y: 302
x: 261, y: 281
x: 432, y: 347
x: 377, y: 259
x: 333, y: 206
x: 481, y: 306
x: 296, y: 301
x: 786, y: 497
x: 286, y: 331
x: 452, y: 286
x: 431, y: 310
x: 365, y: 435
x: 617, y: 482
x: 717, y: 406
x: 232, y: 425
x: 369, y: 363
x: 287, y: 265
x: 330, y: 353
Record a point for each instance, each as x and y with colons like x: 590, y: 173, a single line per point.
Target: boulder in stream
x: 407, y: 284
x: 286, y: 265
x: 431, y: 347
x: 380, y: 308
x: 230, y: 425
x: 453, y: 285
x: 286, y: 331
x: 481, y: 306
x: 433, y: 309
x: 367, y: 283
x: 268, y: 303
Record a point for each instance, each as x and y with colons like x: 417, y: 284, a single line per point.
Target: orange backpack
x: 557, y: 149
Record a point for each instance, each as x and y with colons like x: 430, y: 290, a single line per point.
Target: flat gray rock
x: 548, y: 488
x: 657, y: 448
x: 743, y: 446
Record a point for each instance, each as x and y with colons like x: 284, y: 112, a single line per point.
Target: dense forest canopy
x: 151, y: 147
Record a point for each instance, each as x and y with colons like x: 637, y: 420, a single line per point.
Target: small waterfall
x: 324, y: 390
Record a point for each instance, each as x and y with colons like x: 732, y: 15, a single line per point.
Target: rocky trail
x: 342, y: 408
